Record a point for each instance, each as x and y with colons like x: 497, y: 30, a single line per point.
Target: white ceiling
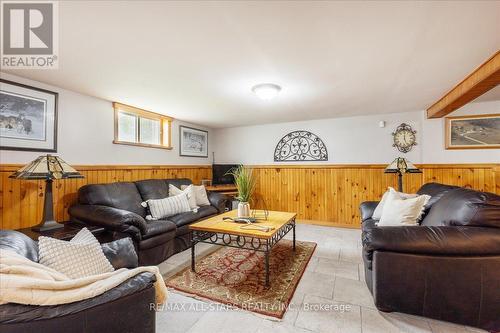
x: 197, y: 61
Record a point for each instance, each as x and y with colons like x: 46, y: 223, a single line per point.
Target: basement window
x: 142, y: 128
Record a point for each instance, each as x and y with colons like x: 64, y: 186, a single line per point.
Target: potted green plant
x: 245, y: 183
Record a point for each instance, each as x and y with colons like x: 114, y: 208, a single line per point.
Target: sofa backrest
x: 123, y: 195
x: 127, y: 195
x: 158, y: 188
x: 436, y: 191
x: 465, y: 207
x: 19, y: 243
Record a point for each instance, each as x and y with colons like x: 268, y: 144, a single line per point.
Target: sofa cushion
x: 118, y: 195
x: 190, y: 217
x: 465, y: 207
x: 121, y: 253
x: 157, y: 227
x: 19, y: 243
x: 152, y: 188
x: 436, y: 191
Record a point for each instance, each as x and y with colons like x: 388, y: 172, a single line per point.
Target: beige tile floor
x: 333, y: 277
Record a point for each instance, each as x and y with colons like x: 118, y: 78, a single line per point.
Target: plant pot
x: 243, y: 209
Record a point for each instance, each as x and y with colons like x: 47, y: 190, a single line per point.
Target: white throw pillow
x: 78, y: 258
x: 188, y: 190
x: 84, y: 236
x: 162, y: 208
x: 377, y: 213
x: 200, y: 193
x: 399, y: 212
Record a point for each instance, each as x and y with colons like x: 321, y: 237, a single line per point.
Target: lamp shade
x: 46, y: 167
x: 401, y: 165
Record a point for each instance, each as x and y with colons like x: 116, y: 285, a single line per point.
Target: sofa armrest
x: 367, y: 208
x: 12, y: 313
x: 110, y: 218
x: 443, y: 240
x: 218, y: 200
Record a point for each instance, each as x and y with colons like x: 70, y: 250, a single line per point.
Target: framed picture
x: 473, y: 132
x: 193, y: 142
x: 28, y: 118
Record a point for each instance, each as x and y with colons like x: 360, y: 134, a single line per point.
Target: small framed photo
x: 28, y: 118
x: 193, y: 142
x: 473, y: 132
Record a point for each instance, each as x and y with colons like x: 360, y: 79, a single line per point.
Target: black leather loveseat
x: 117, y: 207
x: 125, y: 308
x: 448, y: 268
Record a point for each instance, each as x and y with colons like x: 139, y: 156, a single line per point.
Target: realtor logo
x: 29, y: 34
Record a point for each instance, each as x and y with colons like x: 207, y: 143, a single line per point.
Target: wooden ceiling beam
x: 484, y: 78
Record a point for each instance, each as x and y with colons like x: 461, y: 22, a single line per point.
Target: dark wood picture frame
x: 181, y: 141
x: 56, y: 98
x: 448, y: 132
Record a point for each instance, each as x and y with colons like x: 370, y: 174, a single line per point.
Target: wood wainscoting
x: 21, y: 201
x: 331, y: 194
x: 326, y: 194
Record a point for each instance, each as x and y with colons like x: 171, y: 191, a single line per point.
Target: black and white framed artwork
x: 28, y: 118
x: 193, y: 142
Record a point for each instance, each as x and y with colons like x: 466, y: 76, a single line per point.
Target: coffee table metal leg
x: 193, y: 243
x: 294, y: 235
x: 267, y: 268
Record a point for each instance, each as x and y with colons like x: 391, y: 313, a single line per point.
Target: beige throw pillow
x: 78, y: 258
x: 200, y: 194
x: 377, y: 213
x: 400, y: 212
x: 162, y: 208
x: 188, y: 190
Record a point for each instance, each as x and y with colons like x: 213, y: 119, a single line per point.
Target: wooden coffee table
x: 215, y: 230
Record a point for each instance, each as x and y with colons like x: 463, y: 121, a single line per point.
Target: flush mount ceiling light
x: 266, y: 91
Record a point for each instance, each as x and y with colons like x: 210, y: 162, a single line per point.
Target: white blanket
x: 26, y: 282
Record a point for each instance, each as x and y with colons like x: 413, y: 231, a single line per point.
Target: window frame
x: 165, y: 138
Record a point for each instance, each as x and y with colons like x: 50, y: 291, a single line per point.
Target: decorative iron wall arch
x: 300, y: 146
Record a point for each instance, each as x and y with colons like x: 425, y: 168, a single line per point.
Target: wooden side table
x: 229, y: 190
x: 69, y: 230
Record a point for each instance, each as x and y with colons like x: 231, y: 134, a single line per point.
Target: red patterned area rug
x: 237, y: 277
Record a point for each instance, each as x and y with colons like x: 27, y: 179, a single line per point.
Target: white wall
x: 348, y: 140
x: 86, y: 131
x: 355, y: 139
x: 433, y: 140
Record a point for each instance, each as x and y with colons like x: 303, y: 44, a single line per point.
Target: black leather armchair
x: 104, y: 313
x: 117, y: 207
x: 448, y: 268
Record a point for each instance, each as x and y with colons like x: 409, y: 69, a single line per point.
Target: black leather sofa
x: 108, y: 312
x: 448, y: 268
x: 117, y: 207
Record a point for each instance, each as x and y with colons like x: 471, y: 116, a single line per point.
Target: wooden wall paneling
x: 496, y: 177
x: 331, y: 194
x: 21, y: 201
x: 327, y: 194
